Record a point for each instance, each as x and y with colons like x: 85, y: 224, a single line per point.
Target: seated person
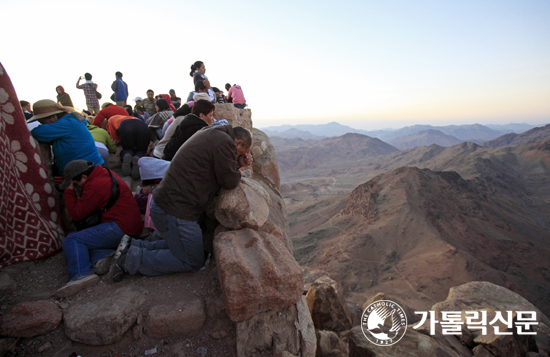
x: 151, y: 171
x: 199, y: 88
x: 202, y: 115
x: 67, y: 133
x: 140, y: 113
x: 87, y: 251
x: 156, y: 122
x: 134, y: 138
x: 179, y: 115
x: 236, y: 95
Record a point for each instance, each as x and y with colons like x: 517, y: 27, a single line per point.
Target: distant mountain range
x: 404, y: 138
x: 513, y: 139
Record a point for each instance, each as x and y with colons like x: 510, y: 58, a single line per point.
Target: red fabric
x: 96, y: 193
x: 114, y: 123
x: 108, y: 112
x: 169, y: 100
x: 29, y: 216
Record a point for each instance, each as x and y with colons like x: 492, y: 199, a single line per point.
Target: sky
x: 366, y: 64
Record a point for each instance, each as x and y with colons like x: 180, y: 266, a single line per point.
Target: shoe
x: 102, y: 266
x: 116, y: 271
x: 126, y: 165
x: 135, y: 168
x: 74, y: 286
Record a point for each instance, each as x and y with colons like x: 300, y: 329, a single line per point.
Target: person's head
x: 243, y: 140
x: 140, y: 109
x: 46, y: 111
x: 118, y: 74
x: 88, y: 76
x: 150, y: 94
x: 216, y: 90
x: 197, y: 66
x: 182, y: 111
x: 60, y: 90
x: 129, y: 110
x: 25, y: 105
x: 138, y: 100
x: 172, y: 93
x: 227, y: 86
x: 161, y: 105
x: 199, y: 87
x: 105, y: 105
x: 77, y: 172
x: 205, y: 110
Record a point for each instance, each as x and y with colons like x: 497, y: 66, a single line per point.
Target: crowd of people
x: 182, y: 155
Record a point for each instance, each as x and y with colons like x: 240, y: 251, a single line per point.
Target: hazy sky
x: 367, y: 64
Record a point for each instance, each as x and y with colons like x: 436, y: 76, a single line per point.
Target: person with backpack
x: 120, y: 89
x: 90, y: 92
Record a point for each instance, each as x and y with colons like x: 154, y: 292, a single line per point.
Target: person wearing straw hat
x: 67, y: 132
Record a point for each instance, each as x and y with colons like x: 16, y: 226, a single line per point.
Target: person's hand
x: 245, y: 160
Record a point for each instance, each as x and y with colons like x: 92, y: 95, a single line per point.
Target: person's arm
x: 230, y: 93
x: 206, y: 83
x: 98, y: 119
x: 114, y: 86
x: 111, y: 146
x: 78, y: 85
x: 227, y: 173
x: 81, y: 208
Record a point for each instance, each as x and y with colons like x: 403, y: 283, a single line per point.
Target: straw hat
x: 43, y: 109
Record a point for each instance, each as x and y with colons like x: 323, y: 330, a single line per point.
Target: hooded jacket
x: 188, y: 126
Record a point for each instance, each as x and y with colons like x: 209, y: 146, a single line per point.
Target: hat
x: 151, y: 168
x: 171, y: 91
x: 200, y: 96
x: 105, y: 105
x: 43, y: 109
x: 138, y: 98
x: 74, y: 168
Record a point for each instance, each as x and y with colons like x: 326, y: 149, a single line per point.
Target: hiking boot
x: 116, y: 271
x: 74, y: 286
x: 126, y: 165
x: 102, y: 266
x: 135, y: 168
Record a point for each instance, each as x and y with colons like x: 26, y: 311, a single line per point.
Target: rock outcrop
x: 235, y: 116
x: 30, y: 319
x: 265, y: 159
x: 329, y: 310
x: 257, y: 272
x: 105, y: 321
x: 179, y: 319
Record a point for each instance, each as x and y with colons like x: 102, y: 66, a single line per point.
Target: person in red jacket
x: 88, y: 251
x: 107, y: 111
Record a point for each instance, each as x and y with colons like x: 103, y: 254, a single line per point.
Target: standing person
x: 67, y: 132
x: 87, y: 251
x: 198, y: 71
x: 63, y: 97
x: 208, y: 162
x: 175, y: 100
x: 236, y: 95
x: 90, y: 89
x: 149, y: 103
x: 120, y: 89
x: 26, y: 107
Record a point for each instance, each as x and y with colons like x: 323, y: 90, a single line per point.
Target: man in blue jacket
x: 121, y: 90
x: 66, y: 132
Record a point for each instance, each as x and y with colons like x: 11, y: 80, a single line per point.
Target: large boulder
x: 31, y: 318
x: 235, y: 116
x: 178, y: 319
x: 246, y: 206
x: 330, y: 345
x: 279, y: 332
x: 257, y: 272
x: 265, y: 159
x: 310, y: 275
x: 327, y: 305
x: 105, y: 321
x: 277, y: 211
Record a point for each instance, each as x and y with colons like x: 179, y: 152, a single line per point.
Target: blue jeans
x: 240, y: 106
x: 180, y: 250
x: 82, y: 249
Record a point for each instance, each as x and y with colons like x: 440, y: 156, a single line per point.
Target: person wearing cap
x: 175, y: 100
x: 88, y: 251
x: 149, y: 103
x: 67, y: 133
x: 151, y: 171
x: 121, y: 90
x: 90, y: 89
x: 107, y: 111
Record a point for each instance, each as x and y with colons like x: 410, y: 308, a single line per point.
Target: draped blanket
x: 29, y: 215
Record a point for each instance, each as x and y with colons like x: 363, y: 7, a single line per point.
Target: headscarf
x: 62, y: 90
x: 169, y: 100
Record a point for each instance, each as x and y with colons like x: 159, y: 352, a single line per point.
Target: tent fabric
x: 29, y: 214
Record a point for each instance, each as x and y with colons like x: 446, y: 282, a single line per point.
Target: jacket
x: 114, y: 123
x: 108, y: 112
x: 102, y: 136
x: 70, y: 140
x: 188, y: 126
x: 236, y: 93
x: 96, y: 193
x: 206, y: 163
x: 121, y: 90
